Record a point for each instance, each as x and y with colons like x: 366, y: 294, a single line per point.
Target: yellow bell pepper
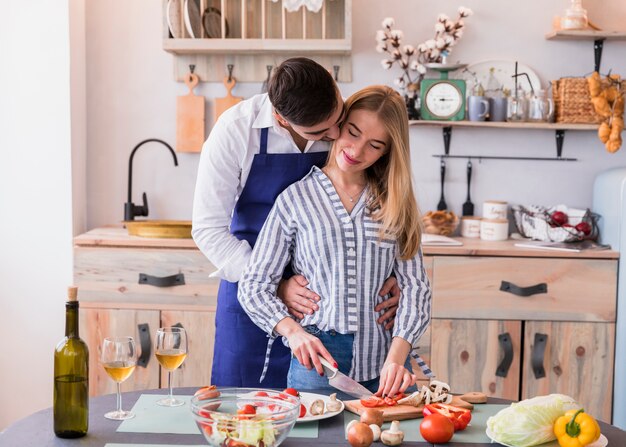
x: 576, y: 429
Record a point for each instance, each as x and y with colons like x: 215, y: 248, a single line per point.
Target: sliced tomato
x: 261, y: 394
x: 373, y: 401
x: 302, y: 411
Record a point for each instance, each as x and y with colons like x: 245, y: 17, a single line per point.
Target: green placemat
x: 474, y: 433
x: 305, y: 430
x: 153, y: 418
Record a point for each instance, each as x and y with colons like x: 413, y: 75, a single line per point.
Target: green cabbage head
x: 529, y: 422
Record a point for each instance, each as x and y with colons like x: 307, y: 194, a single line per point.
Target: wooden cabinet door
x: 577, y: 361
x: 467, y: 354
x: 200, y: 328
x: 96, y: 325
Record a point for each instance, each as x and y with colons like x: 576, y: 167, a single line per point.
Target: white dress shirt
x: 345, y: 262
x: 224, y: 167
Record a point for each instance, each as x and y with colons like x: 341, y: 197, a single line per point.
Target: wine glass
x: 171, y: 350
x: 119, y: 358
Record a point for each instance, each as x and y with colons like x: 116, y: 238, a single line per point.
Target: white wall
x: 132, y: 96
x: 35, y: 200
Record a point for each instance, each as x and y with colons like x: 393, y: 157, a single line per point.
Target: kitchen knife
x: 338, y: 380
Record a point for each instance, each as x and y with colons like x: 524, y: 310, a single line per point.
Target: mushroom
x: 393, y: 436
x: 350, y: 424
x: 334, y: 404
x: 375, y: 431
x: 317, y: 407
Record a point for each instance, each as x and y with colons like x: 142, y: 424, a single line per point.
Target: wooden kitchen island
x: 508, y: 321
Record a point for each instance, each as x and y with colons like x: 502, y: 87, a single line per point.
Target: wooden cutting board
x: 223, y: 104
x: 190, y: 119
x: 401, y: 412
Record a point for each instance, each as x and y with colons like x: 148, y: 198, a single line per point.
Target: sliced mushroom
x: 317, y: 407
x: 334, y: 404
x: 393, y: 436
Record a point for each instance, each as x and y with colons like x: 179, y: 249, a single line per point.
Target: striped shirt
x: 346, y: 264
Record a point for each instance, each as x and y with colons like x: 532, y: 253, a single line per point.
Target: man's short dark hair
x: 303, y: 92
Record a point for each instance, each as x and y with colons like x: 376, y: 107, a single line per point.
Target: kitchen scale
x: 443, y: 99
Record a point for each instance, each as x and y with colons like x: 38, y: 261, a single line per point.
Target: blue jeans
x: 340, y: 347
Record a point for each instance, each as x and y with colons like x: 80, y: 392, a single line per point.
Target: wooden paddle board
x: 190, y: 119
x: 223, y: 104
x: 401, y: 412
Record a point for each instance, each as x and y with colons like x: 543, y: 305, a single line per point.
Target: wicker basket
x: 572, y: 102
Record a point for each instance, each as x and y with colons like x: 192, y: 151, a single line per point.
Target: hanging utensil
x: 468, y: 206
x: 442, y: 202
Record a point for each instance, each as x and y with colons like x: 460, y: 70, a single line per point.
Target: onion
x: 372, y: 416
x: 360, y: 435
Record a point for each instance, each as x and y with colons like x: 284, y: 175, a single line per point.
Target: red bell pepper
x: 460, y: 417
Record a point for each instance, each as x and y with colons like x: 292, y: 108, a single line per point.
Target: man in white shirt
x: 255, y: 150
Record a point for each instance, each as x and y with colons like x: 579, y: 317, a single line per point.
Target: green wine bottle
x: 71, y: 377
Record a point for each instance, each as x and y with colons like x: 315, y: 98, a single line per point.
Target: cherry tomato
x: 247, y: 409
x: 437, y: 428
x: 302, y: 411
x: 261, y: 394
x: 292, y: 391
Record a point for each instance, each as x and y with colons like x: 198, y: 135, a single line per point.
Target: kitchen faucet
x: 130, y: 209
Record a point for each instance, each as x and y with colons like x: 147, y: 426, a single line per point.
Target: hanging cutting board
x: 401, y: 412
x: 223, y: 104
x: 190, y: 119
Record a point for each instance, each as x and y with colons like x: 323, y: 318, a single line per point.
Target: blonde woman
x: 346, y: 228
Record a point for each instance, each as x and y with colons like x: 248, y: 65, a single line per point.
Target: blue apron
x: 240, y: 345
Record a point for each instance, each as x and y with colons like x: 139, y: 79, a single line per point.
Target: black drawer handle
x: 164, y: 281
x: 507, y: 346
x: 145, y: 343
x: 506, y: 286
x: 536, y: 357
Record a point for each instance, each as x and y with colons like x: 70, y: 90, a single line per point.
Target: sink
x: 175, y: 229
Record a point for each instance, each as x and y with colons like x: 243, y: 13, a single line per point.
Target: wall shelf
x: 252, y: 35
x: 558, y: 128
x: 598, y: 38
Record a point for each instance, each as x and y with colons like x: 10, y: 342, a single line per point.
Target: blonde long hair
x: 392, y: 200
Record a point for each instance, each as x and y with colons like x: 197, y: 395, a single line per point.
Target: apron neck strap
x: 264, y: 132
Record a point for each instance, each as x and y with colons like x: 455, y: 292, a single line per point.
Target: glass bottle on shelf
x: 518, y: 106
x: 575, y: 16
x: 70, y: 405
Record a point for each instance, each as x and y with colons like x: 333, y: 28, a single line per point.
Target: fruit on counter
x: 576, y: 429
x: 207, y: 392
x: 371, y: 416
x: 393, y: 436
x: 584, y: 228
x: 459, y: 417
x: 437, y: 428
x: 559, y: 218
x: 334, y: 404
x: 360, y: 435
x: 529, y: 422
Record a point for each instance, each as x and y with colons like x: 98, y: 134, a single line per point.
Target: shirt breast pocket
x: 372, y: 236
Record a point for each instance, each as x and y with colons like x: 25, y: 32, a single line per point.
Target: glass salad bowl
x: 245, y: 417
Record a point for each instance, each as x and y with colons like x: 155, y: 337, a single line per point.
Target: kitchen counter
x: 118, y: 237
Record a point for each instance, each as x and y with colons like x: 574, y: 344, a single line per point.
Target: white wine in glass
x: 171, y: 350
x: 119, y: 358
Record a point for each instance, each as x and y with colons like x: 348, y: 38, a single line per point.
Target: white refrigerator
x: 609, y: 201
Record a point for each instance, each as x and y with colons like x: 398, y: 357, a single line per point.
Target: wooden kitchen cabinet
x: 110, y: 268
x: 558, y: 329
